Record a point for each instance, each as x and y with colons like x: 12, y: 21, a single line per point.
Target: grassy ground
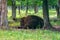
x: 29, y: 35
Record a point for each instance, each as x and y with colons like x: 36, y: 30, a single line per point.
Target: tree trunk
x: 27, y: 7
x: 35, y: 7
x: 4, y: 20
x: 21, y: 4
x: 19, y: 9
x: 46, y: 15
x: 58, y: 9
x: 13, y: 9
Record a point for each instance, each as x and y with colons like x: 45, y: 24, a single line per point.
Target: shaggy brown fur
x: 31, y: 22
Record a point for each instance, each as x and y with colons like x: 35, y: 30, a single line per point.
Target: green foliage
x: 52, y: 2
x: 31, y: 2
x: 9, y: 2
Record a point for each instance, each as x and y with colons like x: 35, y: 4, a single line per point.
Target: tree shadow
x: 54, y: 28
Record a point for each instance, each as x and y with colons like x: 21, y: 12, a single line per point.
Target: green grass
x: 57, y: 23
x: 29, y: 35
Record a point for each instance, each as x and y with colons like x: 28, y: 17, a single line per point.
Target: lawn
x: 29, y: 35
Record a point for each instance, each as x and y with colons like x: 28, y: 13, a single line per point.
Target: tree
x: 19, y: 8
x: 58, y: 9
x: 3, y: 14
x: 46, y: 14
x: 13, y: 9
x: 19, y: 5
x: 35, y: 7
x: 26, y: 6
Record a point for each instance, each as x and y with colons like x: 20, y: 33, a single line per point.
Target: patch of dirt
x: 56, y: 28
x: 53, y: 28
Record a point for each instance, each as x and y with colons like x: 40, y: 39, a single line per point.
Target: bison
x: 31, y: 22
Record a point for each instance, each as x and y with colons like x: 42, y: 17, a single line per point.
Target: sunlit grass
x: 29, y: 35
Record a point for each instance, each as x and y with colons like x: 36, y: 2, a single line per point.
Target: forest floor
x: 56, y: 28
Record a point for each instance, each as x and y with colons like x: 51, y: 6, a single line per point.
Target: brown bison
x: 31, y: 22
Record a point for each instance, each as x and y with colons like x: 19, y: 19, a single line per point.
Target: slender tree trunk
x: 21, y: 4
x: 35, y: 7
x: 27, y: 7
x: 13, y: 9
x: 46, y: 14
x: 19, y: 9
x: 58, y: 9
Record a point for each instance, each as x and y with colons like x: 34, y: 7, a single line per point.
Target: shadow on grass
x: 54, y: 28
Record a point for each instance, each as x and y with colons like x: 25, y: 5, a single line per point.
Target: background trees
x: 35, y: 5
x: 13, y: 9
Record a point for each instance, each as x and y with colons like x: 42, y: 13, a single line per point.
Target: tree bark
x: 13, y: 9
x: 58, y: 9
x: 35, y: 7
x: 19, y: 9
x: 27, y: 7
x: 21, y: 4
x: 4, y: 19
x: 46, y: 15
